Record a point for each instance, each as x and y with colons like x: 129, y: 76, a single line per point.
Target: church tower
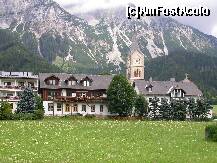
x: 135, y: 62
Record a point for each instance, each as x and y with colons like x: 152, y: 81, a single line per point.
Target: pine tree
x: 154, y: 108
x: 141, y: 106
x: 179, y: 109
x: 39, y: 108
x: 203, y: 109
x: 192, y: 108
x: 121, y: 96
x: 27, y: 102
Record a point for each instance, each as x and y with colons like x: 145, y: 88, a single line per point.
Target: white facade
x: 60, y: 108
x: 13, y: 83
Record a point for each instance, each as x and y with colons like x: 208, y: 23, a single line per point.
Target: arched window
x: 137, y: 73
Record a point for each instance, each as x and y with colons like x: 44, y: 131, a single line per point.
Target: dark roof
x: 99, y: 82
x: 165, y: 87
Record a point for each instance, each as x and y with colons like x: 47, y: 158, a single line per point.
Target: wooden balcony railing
x: 16, y: 87
x: 78, y: 99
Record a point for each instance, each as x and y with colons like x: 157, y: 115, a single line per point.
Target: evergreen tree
x: 165, y: 109
x: 39, y: 108
x: 5, y: 110
x: 203, y: 109
x: 141, y: 106
x: 154, y: 108
x: 121, y: 96
x: 27, y: 102
x: 179, y: 109
x: 192, y: 108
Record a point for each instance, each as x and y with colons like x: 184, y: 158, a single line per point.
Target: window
x: 101, y: 108
x: 93, y: 108
x: 150, y: 99
x: 52, y: 82
x: 50, y: 107
x: 59, y: 107
x: 150, y: 89
x: 84, y: 108
x: 138, y: 61
x: 71, y: 94
x: 10, y: 94
x: 83, y: 95
x: 67, y: 108
x: 86, y: 83
x: 137, y: 73
x: 7, y: 83
x: 75, y: 109
x: 72, y: 82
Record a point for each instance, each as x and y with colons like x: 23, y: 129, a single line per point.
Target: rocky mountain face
x: 98, y: 41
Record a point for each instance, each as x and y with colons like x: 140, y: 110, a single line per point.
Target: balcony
x: 79, y: 99
x: 9, y: 98
x: 16, y: 87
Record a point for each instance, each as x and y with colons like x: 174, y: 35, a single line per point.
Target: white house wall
x: 88, y: 109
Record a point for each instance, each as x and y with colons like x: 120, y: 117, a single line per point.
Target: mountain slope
x: 14, y: 57
x: 201, y: 69
x: 96, y: 41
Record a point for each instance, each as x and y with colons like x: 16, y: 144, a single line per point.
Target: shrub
x: 39, y: 108
x: 141, y: 106
x: 23, y: 116
x: 211, y: 133
x: 5, y: 111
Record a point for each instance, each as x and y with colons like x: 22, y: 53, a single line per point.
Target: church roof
x: 135, y: 45
x: 164, y: 87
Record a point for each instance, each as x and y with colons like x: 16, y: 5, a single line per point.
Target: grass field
x: 66, y: 140
x: 215, y: 109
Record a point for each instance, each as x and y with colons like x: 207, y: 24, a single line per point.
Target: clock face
x: 137, y: 61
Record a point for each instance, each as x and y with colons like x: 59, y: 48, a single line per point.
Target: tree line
x: 124, y: 101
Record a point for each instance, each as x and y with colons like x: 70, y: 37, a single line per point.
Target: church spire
x: 135, y: 44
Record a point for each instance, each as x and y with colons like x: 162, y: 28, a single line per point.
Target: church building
x: 161, y: 89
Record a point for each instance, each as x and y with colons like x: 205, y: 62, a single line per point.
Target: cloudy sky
x: 207, y: 25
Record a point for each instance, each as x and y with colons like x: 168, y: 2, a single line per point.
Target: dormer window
x: 52, y: 80
x: 149, y: 88
x: 71, y: 81
x: 86, y: 82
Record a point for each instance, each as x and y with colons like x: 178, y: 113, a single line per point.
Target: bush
x: 39, y: 114
x: 23, y: 116
x: 5, y: 111
x: 211, y: 133
x: 39, y: 108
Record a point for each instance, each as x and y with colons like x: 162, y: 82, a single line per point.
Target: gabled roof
x: 87, y: 78
x: 175, y: 88
x: 164, y: 87
x: 98, y: 81
x: 51, y: 76
x: 71, y: 78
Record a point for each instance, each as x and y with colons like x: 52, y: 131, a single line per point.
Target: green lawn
x: 65, y: 140
x: 215, y: 109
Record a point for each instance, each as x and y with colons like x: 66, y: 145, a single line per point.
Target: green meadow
x: 70, y: 140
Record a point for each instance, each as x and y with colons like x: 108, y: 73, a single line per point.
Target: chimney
x: 172, y: 79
